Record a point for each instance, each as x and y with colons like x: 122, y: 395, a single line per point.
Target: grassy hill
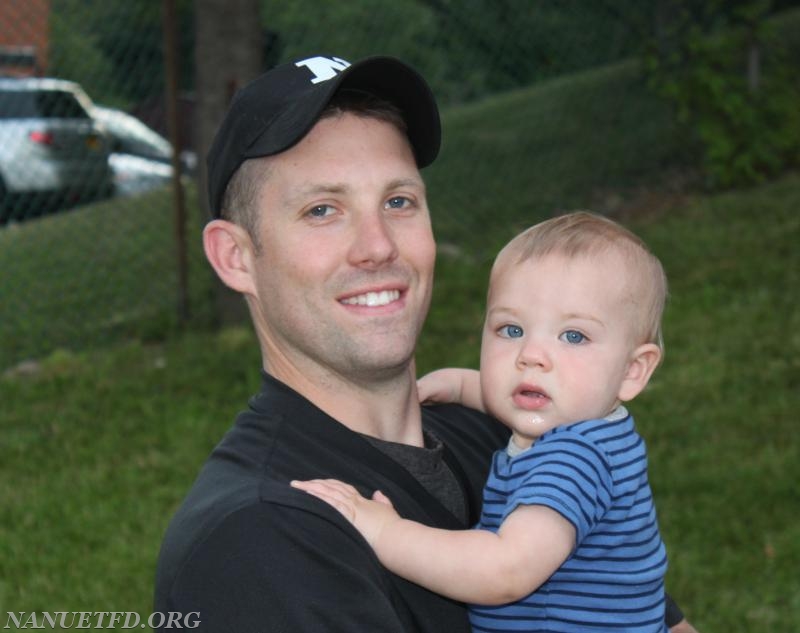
x: 99, y: 446
x: 581, y: 141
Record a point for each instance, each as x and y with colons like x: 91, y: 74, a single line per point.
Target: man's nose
x: 374, y: 241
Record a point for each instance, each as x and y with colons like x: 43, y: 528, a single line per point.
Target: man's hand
x: 683, y: 627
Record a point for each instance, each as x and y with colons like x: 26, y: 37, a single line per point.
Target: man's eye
x: 510, y: 331
x: 320, y: 211
x: 573, y: 337
x: 398, y: 202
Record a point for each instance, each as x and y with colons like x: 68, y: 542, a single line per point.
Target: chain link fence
x: 101, y: 216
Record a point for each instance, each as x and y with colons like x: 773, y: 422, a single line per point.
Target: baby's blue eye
x: 573, y: 337
x: 511, y: 331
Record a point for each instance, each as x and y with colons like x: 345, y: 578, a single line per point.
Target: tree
x: 731, y: 86
x: 229, y: 47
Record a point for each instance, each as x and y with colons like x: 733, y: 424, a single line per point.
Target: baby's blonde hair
x: 582, y: 234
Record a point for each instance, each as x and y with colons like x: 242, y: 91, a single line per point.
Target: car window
x: 131, y: 136
x: 40, y: 104
x: 141, y: 143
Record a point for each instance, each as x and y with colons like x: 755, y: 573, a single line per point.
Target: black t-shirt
x: 252, y: 554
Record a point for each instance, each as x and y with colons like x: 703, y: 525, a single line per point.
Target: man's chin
x: 383, y: 366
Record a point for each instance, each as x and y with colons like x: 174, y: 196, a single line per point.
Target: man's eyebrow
x: 299, y: 194
x: 303, y: 191
x: 405, y: 182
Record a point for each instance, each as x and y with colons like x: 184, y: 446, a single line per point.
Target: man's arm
x: 683, y: 627
x: 675, y: 619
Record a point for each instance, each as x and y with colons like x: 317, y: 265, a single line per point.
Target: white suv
x: 53, y: 154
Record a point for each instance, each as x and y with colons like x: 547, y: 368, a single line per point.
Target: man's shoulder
x: 225, y: 513
x: 264, y: 563
x: 244, y: 541
x: 230, y: 486
x: 245, y: 481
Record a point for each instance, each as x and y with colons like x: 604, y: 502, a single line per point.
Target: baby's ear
x: 643, y: 362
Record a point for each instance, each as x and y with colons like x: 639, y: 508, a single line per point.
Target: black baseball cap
x: 276, y: 110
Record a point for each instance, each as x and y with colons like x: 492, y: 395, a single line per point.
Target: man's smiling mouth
x: 373, y: 299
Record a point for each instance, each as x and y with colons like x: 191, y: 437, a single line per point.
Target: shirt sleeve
x: 266, y: 569
x: 568, y: 473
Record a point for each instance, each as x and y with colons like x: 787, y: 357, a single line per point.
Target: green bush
x: 735, y: 92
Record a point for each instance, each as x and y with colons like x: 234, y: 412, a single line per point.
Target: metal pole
x: 179, y: 205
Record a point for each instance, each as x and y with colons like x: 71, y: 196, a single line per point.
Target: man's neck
x: 386, y: 409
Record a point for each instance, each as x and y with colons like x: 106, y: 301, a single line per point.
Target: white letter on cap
x: 324, y: 68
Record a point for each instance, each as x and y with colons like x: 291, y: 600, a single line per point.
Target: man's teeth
x: 373, y: 299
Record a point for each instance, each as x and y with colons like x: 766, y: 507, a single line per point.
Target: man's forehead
x: 332, y: 137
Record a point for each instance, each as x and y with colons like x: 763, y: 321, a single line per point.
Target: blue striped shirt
x: 593, y: 473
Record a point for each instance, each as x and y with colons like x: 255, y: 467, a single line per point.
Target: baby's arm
x: 452, y: 385
x: 474, y: 566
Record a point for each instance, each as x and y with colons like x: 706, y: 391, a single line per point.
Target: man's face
x: 343, y: 277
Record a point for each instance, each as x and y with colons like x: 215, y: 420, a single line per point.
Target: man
x: 321, y: 222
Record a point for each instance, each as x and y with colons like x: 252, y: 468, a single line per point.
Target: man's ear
x: 643, y: 362
x: 230, y: 252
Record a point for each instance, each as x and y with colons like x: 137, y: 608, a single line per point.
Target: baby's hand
x: 442, y: 385
x: 451, y: 385
x: 368, y: 517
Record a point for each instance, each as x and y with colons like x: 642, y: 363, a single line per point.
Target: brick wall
x: 24, y: 36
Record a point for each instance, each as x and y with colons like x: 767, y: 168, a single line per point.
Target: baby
x: 568, y: 538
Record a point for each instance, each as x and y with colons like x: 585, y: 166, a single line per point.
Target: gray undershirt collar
x: 426, y: 464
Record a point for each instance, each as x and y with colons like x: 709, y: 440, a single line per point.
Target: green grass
x: 97, y: 448
x: 723, y: 408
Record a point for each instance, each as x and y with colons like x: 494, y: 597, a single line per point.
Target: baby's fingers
x: 332, y: 486
x: 341, y: 496
x: 382, y: 498
x: 436, y: 386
